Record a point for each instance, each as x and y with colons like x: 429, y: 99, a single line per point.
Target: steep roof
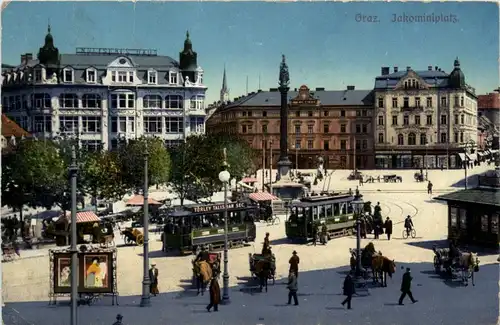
x: 326, y: 97
x: 10, y: 128
x: 473, y: 195
x: 432, y: 77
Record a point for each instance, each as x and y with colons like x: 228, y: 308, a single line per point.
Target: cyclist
x: 408, y: 225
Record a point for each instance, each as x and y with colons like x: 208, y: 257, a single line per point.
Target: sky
x: 327, y: 44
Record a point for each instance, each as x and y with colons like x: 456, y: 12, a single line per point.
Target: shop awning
x: 81, y: 217
x: 462, y: 156
x: 262, y: 196
x: 139, y: 200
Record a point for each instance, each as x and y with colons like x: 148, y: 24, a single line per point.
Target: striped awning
x: 249, y: 180
x: 262, y: 196
x: 81, y: 217
x: 139, y: 200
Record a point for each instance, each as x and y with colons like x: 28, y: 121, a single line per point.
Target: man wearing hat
x: 153, y: 277
x: 266, y: 244
x: 203, y: 255
x: 294, y: 263
x: 406, y: 287
x: 118, y: 320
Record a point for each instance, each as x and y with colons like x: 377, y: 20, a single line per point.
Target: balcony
x: 412, y: 108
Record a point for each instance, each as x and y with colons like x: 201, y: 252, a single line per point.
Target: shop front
x: 415, y: 159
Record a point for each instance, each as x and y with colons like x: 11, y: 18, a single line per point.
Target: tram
x: 203, y: 224
x: 335, y: 212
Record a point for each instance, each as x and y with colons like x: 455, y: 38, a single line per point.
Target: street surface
x: 26, y: 281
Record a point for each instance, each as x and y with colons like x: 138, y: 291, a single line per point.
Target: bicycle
x: 88, y: 299
x: 413, y: 233
x: 273, y: 221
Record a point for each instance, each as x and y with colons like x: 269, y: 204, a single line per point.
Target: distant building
x: 489, y: 120
x: 11, y: 132
x: 423, y: 118
x: 333, y: 124
x: 103, y: 95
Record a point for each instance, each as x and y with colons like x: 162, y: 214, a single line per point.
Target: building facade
x: 334, y: 125
x: 105, y: 95
x: 423, y: 118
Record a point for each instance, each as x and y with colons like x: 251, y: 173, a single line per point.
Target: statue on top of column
x: 284, y: 76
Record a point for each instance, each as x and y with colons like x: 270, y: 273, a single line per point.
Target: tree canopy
x: 131, y: 157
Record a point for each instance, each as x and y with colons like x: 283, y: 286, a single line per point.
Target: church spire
x: 224, y: 91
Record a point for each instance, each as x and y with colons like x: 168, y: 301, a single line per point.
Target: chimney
x: 395, y: 69
x: 436, y: 68
x: 429, y: 68
x: 350, y: 87
x: 23, y: 58
x: 29, y: 57
x: 385, y: 71
x: 408, y: 68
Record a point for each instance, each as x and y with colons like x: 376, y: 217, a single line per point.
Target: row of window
x: 459, y: 119
x: 360, y: 128
x: 412, y: 138
x: 359, y: 144
x: 126, y: 100
x: 298, y: 113
x: 416, y: 102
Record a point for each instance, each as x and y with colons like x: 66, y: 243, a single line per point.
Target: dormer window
x: 152, y: 77
x: 173, y: 78
x: 68, y: 75
x: 91, y: 75
x: 38, y: 75
x: 122, y: 76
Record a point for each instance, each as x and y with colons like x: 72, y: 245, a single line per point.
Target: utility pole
x: 263, y: 163
x: 73, y: 169
x: 146, y: 298
x: 270, y: 162
x: 354, y: 161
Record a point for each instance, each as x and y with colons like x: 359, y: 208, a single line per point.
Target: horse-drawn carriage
x: 460, y: 267
x: 393, y: 178
x: 204, y: 271
x: 131, y: 235
x: 380, y: 265
x: 262, y: 267
x: 356, y: 175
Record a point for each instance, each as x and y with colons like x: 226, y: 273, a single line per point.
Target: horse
x: 202, y: 273
x: 381, y: 267
x: 264, y: 271
x: 469, y: 264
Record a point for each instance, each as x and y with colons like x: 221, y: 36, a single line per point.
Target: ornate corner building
x: 333, y: 124
x: 423, y: 118
x: 102, y: 95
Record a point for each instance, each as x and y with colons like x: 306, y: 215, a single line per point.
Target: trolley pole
x: 263, y: 164
x: 224, y: 177
x: 73, y: 169
x: 146, y: 298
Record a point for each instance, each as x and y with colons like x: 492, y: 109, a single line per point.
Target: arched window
x: 68, y: 101
x: 412, y: 139
x: 197, y: 102
x: 91, y: 101
x: 423, y: 138
x: 381, y: 138
x: 152, y: 101
x: 401, y: 139
x: 174, y: 101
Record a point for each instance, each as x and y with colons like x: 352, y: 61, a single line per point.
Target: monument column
x: 284, y: 164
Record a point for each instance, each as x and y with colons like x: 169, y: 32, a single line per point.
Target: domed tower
x: 457, y: 77
x: 48, y: 54
x: 188, y: 60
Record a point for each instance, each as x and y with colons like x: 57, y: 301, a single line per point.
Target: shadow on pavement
x: 319, y: 293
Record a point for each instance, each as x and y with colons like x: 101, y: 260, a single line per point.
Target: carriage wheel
x: 437, y: 264
x: 139, y: 240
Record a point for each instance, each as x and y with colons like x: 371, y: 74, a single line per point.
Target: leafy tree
x: 131, y: 157
x: 31, y: 173
x: 100, y: 175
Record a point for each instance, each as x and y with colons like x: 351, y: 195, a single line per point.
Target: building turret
x: 188, y: 60
x: 48, y: 54
x: 457, y: 77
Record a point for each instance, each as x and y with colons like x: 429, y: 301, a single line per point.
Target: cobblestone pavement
x: 26, y: 282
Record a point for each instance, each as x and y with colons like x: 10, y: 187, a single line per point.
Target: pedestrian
x: 360, y: 181
x: 214, y: 295
x: 294, y: 264
x: 348, y: 291
x: 292, y: 288
x: 429, y: 188
x: 153, y: 278
x: 163, y: 243
x: 357, y: 192
x: 362, y: 227
x: 406, y: 287
x: 118, y: 320
x: 388, y: 228
x: 315, y: 233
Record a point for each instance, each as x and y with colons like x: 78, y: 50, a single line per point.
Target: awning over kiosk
x: 472, y: 156
x: 462, y: 156
x: 262, y: 196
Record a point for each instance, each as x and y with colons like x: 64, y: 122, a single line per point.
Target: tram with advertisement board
x: 199, y: 225
x: 333, y: 211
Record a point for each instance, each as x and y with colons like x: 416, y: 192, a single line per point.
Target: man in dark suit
x: 406, y: 287
x: 348, y: 291
x: 388, y: 228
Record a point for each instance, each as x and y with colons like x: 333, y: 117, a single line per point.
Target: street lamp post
x: 472, y: 144
x: 270, y: 164
x: 426, y: 163
x: 224, y: 177
x: 146, y: 298
x: 73, y: 169
x: 357, y: 205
